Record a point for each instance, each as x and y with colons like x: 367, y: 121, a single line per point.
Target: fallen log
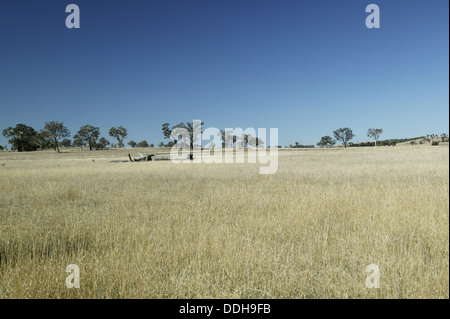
x: 153, y: 157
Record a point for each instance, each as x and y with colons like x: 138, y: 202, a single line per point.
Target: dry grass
x: 162, y: 230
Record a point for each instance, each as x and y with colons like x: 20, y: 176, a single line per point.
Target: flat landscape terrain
x: 165, y: 230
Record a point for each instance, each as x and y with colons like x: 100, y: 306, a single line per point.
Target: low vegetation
x: 165, y: 230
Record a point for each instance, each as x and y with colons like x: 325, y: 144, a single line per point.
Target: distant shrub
x: 392, y: 143
x: 363, y: 144
x: 435, y: 143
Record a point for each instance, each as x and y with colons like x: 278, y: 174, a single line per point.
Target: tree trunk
x: 56, y: 145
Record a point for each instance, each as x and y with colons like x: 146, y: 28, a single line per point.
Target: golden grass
x: 164, y: 230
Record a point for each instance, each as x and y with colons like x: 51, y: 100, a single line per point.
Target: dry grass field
x: 165, y: 230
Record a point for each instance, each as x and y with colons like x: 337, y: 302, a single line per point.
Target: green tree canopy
x: 119, y: 133
x: 374, y: 133
x: 78, y: 141
x: 189, y: 126
x: 344, y: 135
x: 66, y: 143
x: 326, y: 141
x: 132, y: 143
x: 143, y: 143
x: 89, y: 135
x: 43, y: 139
x: 56, y: 131
x: 22, y: 137
x: 102, y: 143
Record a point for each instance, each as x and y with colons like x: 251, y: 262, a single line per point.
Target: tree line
x: 343, y: 135
x: 55, y: 134
x: 228, y: 138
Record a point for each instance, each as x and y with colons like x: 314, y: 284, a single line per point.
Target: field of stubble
x: 165, y: 230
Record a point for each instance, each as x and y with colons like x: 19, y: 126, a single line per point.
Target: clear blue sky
x: 305, y: 67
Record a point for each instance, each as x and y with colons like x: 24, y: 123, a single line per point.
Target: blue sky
x: 305, y: 67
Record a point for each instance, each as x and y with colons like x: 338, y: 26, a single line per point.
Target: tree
x: 152, y: 145
x: 66, y: 143
x: 344, y: 135
x: 254, y: 141
x: 392, y: 143
x: 143, y: 144
x: 56, y: 131
x: 1, y: 148
x: 22, y: 137
x: 78, y: 141
x: 166, y: 130
x: 102, y: 143
x: 43, y: 139
x: 326, y: 141
x: 374, y: 133
x: 161, y: 144
x: 188, y: 126
x: 228, y: 140
x: 89, y: 135
x: 119, y: 133
x: 132, y: 143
